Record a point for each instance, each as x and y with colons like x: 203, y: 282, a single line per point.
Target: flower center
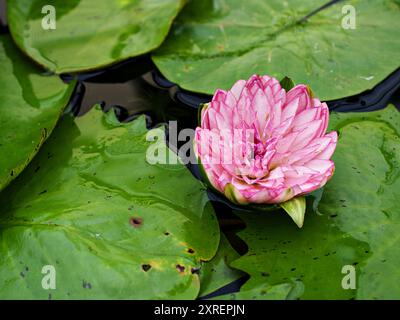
x: 259, y: 150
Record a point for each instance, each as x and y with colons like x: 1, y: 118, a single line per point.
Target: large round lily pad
x: 216, y: 42
x: 111, y: 225
x: 353, y: 227
x: 30, y: 105
x: 89, y: 33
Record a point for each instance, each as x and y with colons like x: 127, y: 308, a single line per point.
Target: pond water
x: 136, y: 87
x: 3, y: 20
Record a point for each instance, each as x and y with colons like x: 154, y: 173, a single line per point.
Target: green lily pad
x: 111, y: 225
x: 30, y: 105
x: 90, y: 35
x: 216, y: 42
x: 262, y: 291
x: 217, y: 273
x: 355, y: 225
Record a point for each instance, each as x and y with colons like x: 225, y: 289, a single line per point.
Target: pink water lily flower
x: 258, y: 143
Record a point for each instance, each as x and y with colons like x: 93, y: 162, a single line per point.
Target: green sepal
x: 202, y: 107
x: 296, y: 209
x: 287, y: 83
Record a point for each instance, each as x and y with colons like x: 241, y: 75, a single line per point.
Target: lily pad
x: 30, y: 105
x: 263, y: 291
x: 217, y: 273
x: 89, y: 35
x: 216, y: 42
x: 111, y: 225
x: 355, y: 224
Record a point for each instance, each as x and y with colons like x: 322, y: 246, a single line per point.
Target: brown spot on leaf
x: 190, y: 250
x: 136, y: 221
x: 146, y: 267
x: 86, y: 285
x: 180, y: 268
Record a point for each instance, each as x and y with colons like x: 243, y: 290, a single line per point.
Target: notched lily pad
x: 92, y: 207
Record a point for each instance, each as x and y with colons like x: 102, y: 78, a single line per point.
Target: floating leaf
x: 356, y: 222
x: 30, y: 105
x: 112, y: 225
x: 216, y: 273
x: 216, y: 42
x: 89, y: 34
x: 261, y: 291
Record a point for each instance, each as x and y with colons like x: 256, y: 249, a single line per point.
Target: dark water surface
x: 136, y: 86
x: 3, y: 19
